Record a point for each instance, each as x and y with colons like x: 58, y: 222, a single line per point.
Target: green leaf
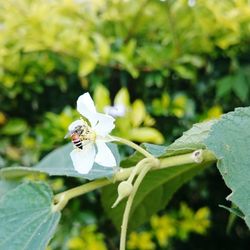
x: 14, y: 127
x: 224, y: 86
x: 138, y: 113
x: 27, y: 219
x: 101, y: 97
x: 122, y: 97
x: 153, y: 194
x: 185, y: 72
x: 59, y: 163
x: 6, y: 186
x: 227, y: 137
x: 229, y: 140
x: 240, y: 86
x: 234, y: 210
x: 155, y: 150
x: 158, y: 186
x: 146, y: 134
x: 86, y: 66
x: 15, y: 173
x: 192, y: 139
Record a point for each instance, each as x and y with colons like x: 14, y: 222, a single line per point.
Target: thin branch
x: 134, y: 146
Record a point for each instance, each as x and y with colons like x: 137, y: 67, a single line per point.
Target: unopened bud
x: 124, y: 189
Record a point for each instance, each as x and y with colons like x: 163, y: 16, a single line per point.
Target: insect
x: 79, y: 135
x: 76, y: 140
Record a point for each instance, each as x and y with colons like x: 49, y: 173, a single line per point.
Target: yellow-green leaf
x: 146, y: 134
x: 122, y: 97
x: 101, y: 97
x: 86, y: 66
x: 138, y: 113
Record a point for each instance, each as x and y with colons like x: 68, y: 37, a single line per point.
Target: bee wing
x: 67, y: 135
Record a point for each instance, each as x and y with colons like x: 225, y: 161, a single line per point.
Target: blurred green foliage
x: 158, y: 234
x: 88, y: 239
x: 170, y: 63
x: 179, y: 224
x: 132, y: 120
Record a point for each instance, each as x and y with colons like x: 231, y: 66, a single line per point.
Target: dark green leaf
x: 27, y: 220
x: 240, y: 86
x: 224, y: 86
x: 234, y: 210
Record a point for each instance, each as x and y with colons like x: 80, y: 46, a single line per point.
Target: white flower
x: 191, y: 3
x: 117, y: 110
x: 90, y: 137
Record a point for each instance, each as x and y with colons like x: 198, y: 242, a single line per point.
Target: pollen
x: 87, y: 133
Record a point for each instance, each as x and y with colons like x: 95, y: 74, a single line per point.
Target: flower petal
x: 86, y: 107
x: 118, y: 110
x: 104, y: 155
x: 104, y: 125
x: 74, y: 124
x: 83, y: 159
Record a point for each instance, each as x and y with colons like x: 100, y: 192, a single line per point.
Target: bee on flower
x: 89, y: 136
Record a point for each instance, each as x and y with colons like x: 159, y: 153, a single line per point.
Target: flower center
x: 85, y: 132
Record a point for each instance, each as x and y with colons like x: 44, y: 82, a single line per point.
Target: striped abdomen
x: 76, y: 140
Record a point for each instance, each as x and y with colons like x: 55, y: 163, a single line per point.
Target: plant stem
x: 129, y: 203
x: 62, y: 199
x: 171, y: 161
x: 134, y: 146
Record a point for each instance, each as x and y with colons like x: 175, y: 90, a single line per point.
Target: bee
x: 79, y: 135
x: 76, y: 140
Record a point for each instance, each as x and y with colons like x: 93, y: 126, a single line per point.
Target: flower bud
x: 124, y: 189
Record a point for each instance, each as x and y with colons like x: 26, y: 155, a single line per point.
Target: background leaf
x: 241, y: 86
x: 234, y: 210
x: 27, y: 219
x: 138, y: 113
x: 101, y: 97
x: 58, y: 163
x: 14, y: 127
x: 224, y: 86
x: 146, y: 134
x: 122, y: 97
x: 157, y: 186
